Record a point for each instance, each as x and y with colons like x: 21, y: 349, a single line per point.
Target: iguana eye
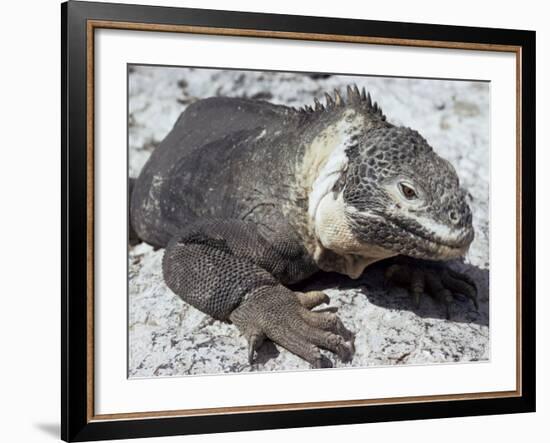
x: 407, y: 191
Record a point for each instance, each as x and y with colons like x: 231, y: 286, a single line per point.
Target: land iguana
x: 248, y: 197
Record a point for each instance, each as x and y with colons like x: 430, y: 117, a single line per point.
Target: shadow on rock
x: 373, y: 286
x: 266, y: 352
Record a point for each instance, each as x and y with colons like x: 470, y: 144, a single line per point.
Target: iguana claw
x: 254, y: 343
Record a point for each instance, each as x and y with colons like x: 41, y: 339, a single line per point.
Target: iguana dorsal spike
x: 369, y: 100
x: 363, y: 94
x: 338, y: 98
x: 354, y: 96
x: 356, y: 92
x: 350, y: 94
x: 318, y: 105
x: 330, y: 101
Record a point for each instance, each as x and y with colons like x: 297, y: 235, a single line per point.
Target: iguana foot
x: 285, y: 317
x: 440, y: 283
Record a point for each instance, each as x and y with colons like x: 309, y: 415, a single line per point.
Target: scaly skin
x: 248, y: 197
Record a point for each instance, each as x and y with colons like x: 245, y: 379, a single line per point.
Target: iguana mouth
x: 430, y: 242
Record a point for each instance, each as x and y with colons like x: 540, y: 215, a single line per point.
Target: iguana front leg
x: 439, y: 282
x: 232, y: 270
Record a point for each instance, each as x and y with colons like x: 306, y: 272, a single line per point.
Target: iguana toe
x: 327, y: 340
x: 312, y: 299
x: 329, y: 321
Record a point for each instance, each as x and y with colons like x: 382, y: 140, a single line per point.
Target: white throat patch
x: 338, y: 249
x: 333, y: 142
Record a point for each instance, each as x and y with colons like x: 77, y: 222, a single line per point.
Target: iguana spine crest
x: 354, y: 97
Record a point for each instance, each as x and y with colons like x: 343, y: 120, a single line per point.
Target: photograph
x: 284, y: 221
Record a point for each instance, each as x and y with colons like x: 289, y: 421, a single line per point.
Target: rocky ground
x: 168, y: 337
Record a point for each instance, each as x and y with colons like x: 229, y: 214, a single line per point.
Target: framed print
x: 279, y: 221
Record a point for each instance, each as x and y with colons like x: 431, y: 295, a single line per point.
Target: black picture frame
x: 77, y: 424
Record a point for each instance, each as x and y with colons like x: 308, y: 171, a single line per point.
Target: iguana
x: 248, y: 197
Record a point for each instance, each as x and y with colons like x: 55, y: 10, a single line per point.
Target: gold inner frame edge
x: 91, y: 25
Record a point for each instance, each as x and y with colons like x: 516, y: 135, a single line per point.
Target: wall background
x: 30, y: 222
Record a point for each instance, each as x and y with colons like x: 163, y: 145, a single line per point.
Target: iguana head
x: 400, y: 195
x: 384, y: 191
